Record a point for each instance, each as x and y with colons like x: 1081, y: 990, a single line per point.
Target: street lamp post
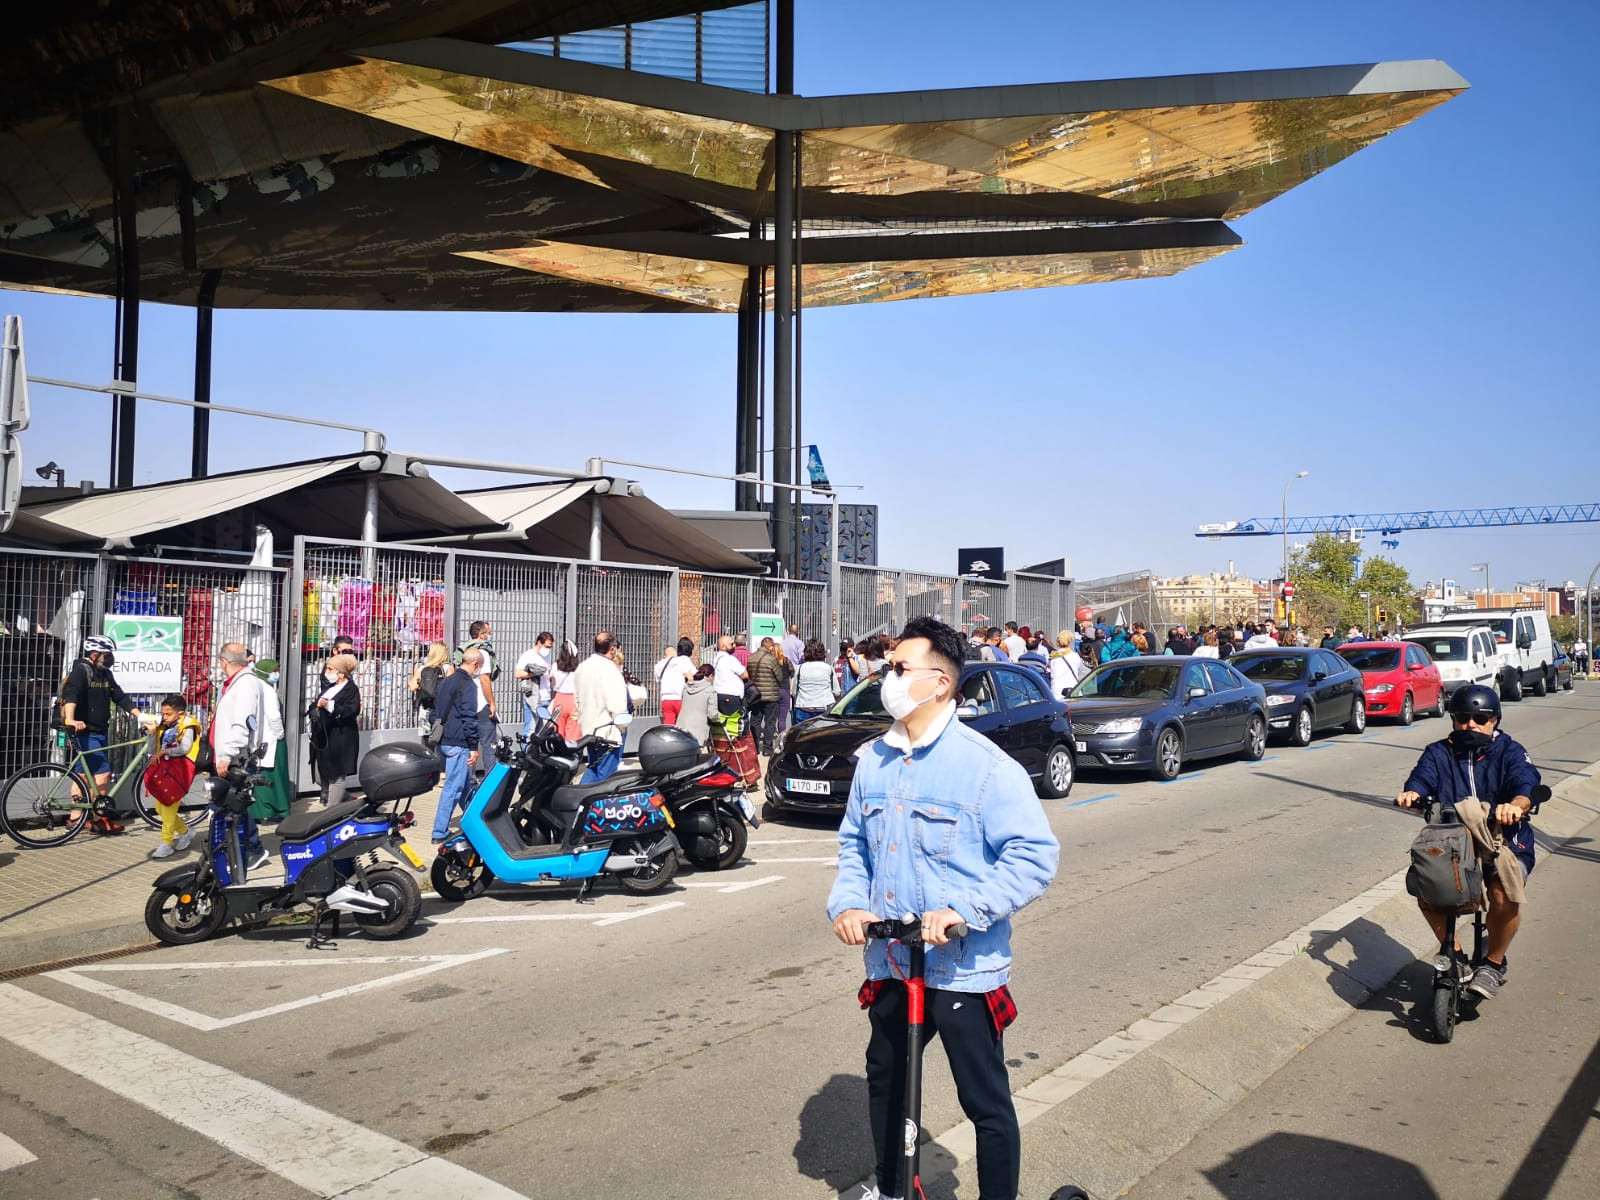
x: 1488, y: 592
x: 1297, y: 475
x: 1367, y: 628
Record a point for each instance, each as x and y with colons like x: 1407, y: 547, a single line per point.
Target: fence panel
x: 868, y: 602
x: 983, y: 603
x: 1035, y: 602
x: 932, y: 596
x: 46, y: 602
x: 798, y: 602
x: 520, y: 598
x: 640, y: 606
x: 710, y: 606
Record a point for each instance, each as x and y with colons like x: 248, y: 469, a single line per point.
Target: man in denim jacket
x: 942, y: 822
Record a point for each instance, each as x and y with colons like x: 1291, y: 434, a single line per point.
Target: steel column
x: 125, y: 205
x: 200, y: 441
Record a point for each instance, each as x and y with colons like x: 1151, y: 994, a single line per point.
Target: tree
x: 1327, y: 590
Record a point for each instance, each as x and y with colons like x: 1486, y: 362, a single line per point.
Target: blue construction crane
x: 1354, y: 525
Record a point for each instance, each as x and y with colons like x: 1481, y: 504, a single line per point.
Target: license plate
x: 1082, y: 747
x: 809, y: 787
x: 748, y: 809
x: 412, y: 856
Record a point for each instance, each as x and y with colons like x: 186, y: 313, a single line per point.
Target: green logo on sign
x: 146, y: 635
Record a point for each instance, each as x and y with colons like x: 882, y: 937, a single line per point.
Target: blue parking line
x: 1091, y: 800
x: 1181, y: 778
x: 1267, y: 759
x: 1365, y: 736
x: 1325, y: 746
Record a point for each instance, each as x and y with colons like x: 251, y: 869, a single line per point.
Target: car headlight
x: 1121, y: 725
x: 1382, y: 687
x: 1279, y: 701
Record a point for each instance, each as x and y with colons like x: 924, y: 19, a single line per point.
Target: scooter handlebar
x: 908, y: 929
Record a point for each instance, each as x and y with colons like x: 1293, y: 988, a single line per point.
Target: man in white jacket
x: 244, y: 696
x: 602, y: 697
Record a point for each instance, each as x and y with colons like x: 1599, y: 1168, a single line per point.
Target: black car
x: 1560, y: 674
x: 813, y: 766
x: 1307, y: 690
x: 1152, y: 714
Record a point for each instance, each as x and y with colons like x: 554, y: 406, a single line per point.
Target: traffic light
x: 1381, y: 614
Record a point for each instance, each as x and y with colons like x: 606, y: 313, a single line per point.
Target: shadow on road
x: 1541, y: 1166
x: 1314, y: 1168
x: 1407, y: 998
x: 835, y: 1144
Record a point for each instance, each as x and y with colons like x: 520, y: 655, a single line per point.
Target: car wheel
x: 1300, y: 730
x: 1541, y: 686
x: 1408, y: 709
x: 1255, y: 738
x: 1059, y: 769
x: 1438, y: 703
x: 1169, y: 755
x: 1567, y: 686
x: 1511, y: 687
x: 1358, y: 717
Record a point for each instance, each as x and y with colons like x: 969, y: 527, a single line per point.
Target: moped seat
x: 299, y: 826
x: 569, y: 799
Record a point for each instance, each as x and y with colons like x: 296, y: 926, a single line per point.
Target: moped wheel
x: 402, y: 898
x: 652, y: 877
x: 181, y: 916
x: 732, y: 837
x: 456, y: 877
x: 45, y: 804
x: 1445, y: 1008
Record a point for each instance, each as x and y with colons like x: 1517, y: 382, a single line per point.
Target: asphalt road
x: 703, y: 1042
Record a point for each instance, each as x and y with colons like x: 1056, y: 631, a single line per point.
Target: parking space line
x: 325, y: 1154
x: 718, y: 886
x: 618, y: 918
x: 1181, y: 778
x: 762, y: 862
x: 593, y: 918
x: 13, y: 1154
x: 816, y: 841
x: 1091, y: 800
x: 1365, y: 736
x: 1324, y: 746
x: 1259, y: 761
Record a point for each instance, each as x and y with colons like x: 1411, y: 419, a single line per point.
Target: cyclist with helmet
x: 87, y: 696
x: 1478, y: 760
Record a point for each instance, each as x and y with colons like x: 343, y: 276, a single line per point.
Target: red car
x: 1400, y: 678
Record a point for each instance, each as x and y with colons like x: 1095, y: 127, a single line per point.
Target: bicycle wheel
x: 45, y: 804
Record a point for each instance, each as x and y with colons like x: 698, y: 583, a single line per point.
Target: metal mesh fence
x: 932, y: 596
x: 983, y: 603
x: 1034, y: 602
x: 45, y: 610
x: 637, y: 604
x: 869, y: 602
x: 520, y: 598
x: 799, y: 603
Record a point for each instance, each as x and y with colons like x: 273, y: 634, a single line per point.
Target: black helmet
x: 1475, y: 701
x: 666, y: 748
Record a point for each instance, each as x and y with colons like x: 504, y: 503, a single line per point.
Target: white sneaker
x: 162, y: 850
x: 182, y: 843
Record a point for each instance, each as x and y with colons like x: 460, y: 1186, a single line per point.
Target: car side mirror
x: 966, y: 712
x: 1194, y: 693
x: 1318, y: 676
x: 1524, y: 642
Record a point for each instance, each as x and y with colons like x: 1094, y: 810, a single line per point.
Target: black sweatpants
x: 976, y: 1052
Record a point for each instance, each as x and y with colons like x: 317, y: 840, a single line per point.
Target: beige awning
x: 554, y: 520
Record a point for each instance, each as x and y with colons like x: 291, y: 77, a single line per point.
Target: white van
x: 1464, y: 654
x: 1522, y: 637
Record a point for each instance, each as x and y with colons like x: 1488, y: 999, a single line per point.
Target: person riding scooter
x: 1478, y: 761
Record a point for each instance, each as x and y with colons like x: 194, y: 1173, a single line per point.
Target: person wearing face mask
x: 331, y: 720
x: 940, y: 818
x: 532, y: 674
x: 1477, y: 760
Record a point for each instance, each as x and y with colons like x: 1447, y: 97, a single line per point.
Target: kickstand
x: 584, y: 889
x: 318, y: 941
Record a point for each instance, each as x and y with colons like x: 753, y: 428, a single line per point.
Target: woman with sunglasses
x: 1480, y: 761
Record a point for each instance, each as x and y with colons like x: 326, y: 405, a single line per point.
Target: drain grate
x: 63, y: 963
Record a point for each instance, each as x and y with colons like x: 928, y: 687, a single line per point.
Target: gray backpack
x: 1445, y: 874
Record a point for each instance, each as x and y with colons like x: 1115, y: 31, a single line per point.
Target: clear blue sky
x: 1413, y: 327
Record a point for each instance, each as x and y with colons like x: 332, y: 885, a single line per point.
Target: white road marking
x: 718, y: 885
x: 618, y: 918
x: 14, y: 1155
x: 832, y: 859
x: 316, y: 1150
x: 817, y: 841
x: 80, y: 977
x: 592, y: 918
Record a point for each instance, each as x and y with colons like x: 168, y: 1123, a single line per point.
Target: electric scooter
x: 907, y: 930
x: 330, y: 858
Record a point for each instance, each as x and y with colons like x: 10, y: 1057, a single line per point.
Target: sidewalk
x: 88, y: 896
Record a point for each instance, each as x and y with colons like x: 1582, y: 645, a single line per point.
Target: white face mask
x: 331, y: 676
x: 895, y: 695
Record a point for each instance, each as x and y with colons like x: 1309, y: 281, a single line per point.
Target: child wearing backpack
x: 1478, y: 762
x: 168, y: 778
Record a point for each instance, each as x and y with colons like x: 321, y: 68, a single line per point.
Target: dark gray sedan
x: 1154, y: 714
x: 1307, y: 690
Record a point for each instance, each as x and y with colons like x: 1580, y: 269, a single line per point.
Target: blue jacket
x: 1037, y: 661
x: 955, y: 825
x: 1500, y: 774
x: 456, y: 704
x: 1120, y: 646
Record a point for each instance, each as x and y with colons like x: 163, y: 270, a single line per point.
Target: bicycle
x: 47, y: 803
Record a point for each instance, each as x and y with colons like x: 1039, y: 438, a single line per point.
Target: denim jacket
x: 953, y: 824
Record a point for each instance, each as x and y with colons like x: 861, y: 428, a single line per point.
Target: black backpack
x: 428, y: 685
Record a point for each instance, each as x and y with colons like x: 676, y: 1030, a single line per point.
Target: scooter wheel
x: 732, y: 838
x: 1069, y: 1193
x: 402, y: 898
x: 1445, y: 1008
x: 180, y: 922
x: 653, y: 877
x: 455, y: 878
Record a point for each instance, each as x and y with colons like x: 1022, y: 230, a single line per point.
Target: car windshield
x: 1135, y: 681
x: 1371, y: 658
x: 1502, y: 626
x: 1269, y: 668
x: 1443, y: 649
x: 861, y: 701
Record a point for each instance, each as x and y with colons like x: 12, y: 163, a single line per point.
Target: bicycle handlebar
x: 907, y: 929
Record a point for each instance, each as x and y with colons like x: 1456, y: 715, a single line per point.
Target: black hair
x: 946, y: 646
x: 686, y: 647
x: 477, y: 629
x: 175, y: 702
x: 545, y: 637
x: 567, y: 660
x: 815, y: 651
x: 603, y: 641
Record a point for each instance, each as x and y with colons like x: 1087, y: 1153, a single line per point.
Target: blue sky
x: 1412, y: 327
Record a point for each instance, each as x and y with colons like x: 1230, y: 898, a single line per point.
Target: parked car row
x: 1155, y: 714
